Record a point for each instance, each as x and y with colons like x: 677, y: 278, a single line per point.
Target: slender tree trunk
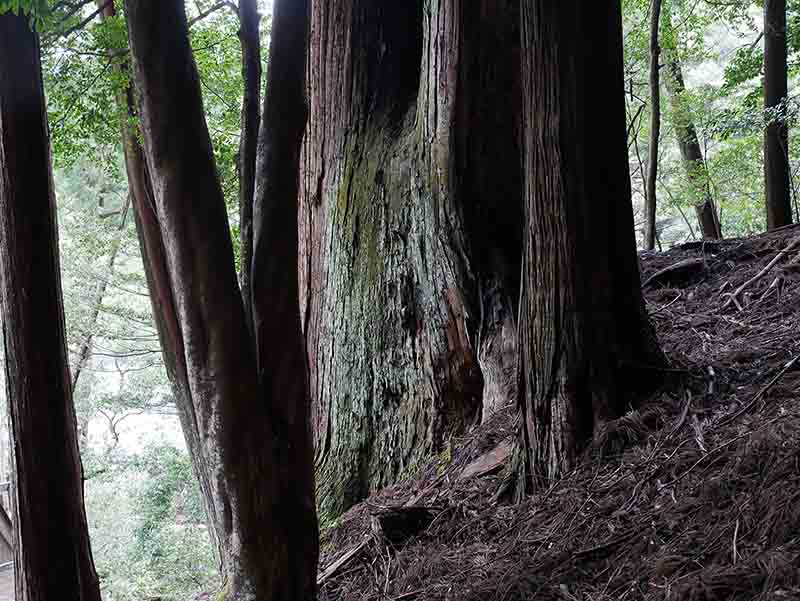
x: 249, y: 409
x: 251, y: 120
x: 583, y: 328
x: 410, y: 231
x: 692, y: 154
x: 54, y: 556
x: 85, y: 349
x: 153, y: 253
x: 689, y: 145
x: 651, y: 200
x: 776, y: 135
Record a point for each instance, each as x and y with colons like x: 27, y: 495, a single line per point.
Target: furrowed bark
x: 583, y: 327
x: 54, y: 558
x: 280, y: 508
x: 393, y: 182
x: 151, y: 245
x: 246, y: 430
x: 248, y: 143
x: 651, y: 200
x: 776, y: 135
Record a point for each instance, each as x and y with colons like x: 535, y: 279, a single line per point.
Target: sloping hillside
x: 694, y: 496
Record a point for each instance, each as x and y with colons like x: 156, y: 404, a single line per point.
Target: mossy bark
x: 411, y: 143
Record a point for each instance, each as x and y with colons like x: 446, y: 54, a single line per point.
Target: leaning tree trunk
x: 153, y: 253
x: 409, y: 231
x: 584, y: 333
x: 651, y: 200
x: 54, y: 558
x: 689, y: 144
x: 776, y: 135
x: 248, y: 398
x: 691, y: 153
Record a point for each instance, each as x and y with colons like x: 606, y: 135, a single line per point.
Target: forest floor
x: 694, y: 496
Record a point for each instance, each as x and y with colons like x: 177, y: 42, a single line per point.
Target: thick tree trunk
x: 248, y: 142
x: 153, y: 253
x: 691, y: 153
x: 651, y: 200
x: 54, y: 559
x: 249, y: 411
x: 776, y: 134
x: 583, y: 327
x: 411, y: 143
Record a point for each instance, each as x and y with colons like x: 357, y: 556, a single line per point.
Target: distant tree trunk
x: 248, y: 142
x: 651, y: 199
x: 54, y: 559
x: 584, y: 333
x: 691, y: 153
x: 85, y: 349
x: 153, y: 253
x: 249, y: 409
x: 689, y: 145
x: 776, y: 134
x: 410, y: 231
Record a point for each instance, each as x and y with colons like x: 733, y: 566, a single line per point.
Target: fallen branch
x: 680, y: 271
x: 733, y: 297
x: 341, y: 562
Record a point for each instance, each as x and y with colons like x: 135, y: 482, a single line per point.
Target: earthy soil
x: 695, y: 495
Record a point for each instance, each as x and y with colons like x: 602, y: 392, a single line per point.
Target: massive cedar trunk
x: 691, y: 153
x: 585, y: 339
x: 248, y: 409
x: 776, y: 135
x: 54, y: 559
x: 409, y: 222
x: 651, y: 200
x: 153, y: 253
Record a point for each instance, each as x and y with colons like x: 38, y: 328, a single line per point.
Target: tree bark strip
x: 280, y: 504
x: 651, y: 199
x: 248, y: 143
x: 54, y: 558
x: 583, y: 327
x: 776, y: 135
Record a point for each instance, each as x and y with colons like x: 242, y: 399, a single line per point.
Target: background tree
x: 585, y: 340
x: 688, y: 141
x: 54, y: 558
x: 776, y: 136
x: 655, y: 126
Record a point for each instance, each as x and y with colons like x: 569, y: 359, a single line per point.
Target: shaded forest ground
x: 695, y: 495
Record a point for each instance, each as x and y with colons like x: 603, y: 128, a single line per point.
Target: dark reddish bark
x: 776, y: 136
x: 248, y: 142
x: 410, y: 210
x: 651, y: 199
x: 54, y: 559
x: 248, y: 411
x: 583, y: 327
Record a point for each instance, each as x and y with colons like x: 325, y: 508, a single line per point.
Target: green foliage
x: 147, y: 529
